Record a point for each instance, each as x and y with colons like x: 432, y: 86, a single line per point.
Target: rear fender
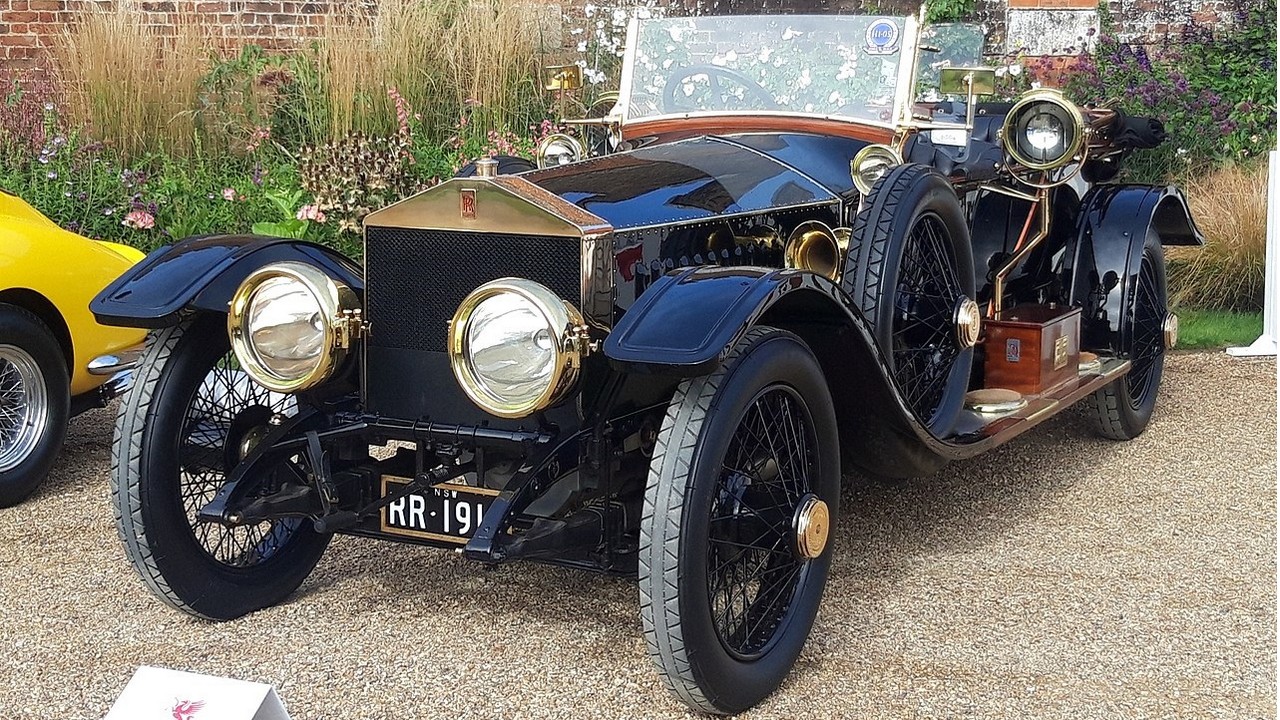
x: 202, y: 273
x: 686, y: 323
x: 1103, y: 258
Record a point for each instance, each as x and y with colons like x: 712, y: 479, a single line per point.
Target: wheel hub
x: 24, y: 406
x: 1170, y: 331
x: 968, y: 320
x: 812, y: 524
x: 251, y: 439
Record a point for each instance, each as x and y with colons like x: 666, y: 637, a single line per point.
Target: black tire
x: 1122, y: 409
x: 174, y: 443
x: 709, y: 658
x: 909, y: 264
x: 507, y: 165
x: 35, y: 402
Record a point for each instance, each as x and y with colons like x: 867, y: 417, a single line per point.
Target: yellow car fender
x: 40, y: 261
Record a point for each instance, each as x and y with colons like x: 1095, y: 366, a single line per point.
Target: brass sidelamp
x: 816, y: 247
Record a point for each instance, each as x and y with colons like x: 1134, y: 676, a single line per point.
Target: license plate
x: 446, y: 512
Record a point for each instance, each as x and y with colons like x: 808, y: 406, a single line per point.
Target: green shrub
x: 1214, y: 90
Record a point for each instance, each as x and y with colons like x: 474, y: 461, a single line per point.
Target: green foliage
x: 289, y: 226
x: 1207, y: 329
x: 941, y: 11
x: 1214, y: 90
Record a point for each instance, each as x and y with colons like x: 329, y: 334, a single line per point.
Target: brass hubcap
x: 968, y: 320
x: 1170, y: 331
x: 812, y: 524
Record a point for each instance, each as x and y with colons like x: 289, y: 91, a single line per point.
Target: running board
x: 978, y: 431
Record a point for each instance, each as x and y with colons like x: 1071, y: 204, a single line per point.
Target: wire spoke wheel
x: 181, y: 433
x: 24, y: 406
x: 924, y: 338
x: 753, y: 570
x: 1123, y: 408
x: 1149, y: 310
x: 225, y: 408
x: 734, y: 538
x: 909, y: 265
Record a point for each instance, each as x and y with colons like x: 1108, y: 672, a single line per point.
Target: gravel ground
x: 1063, y: 576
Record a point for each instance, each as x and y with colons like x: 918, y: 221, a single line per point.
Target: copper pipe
x: 997, y: 290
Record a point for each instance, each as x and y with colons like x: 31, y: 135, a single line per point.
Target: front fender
x: 202, y: 273
x: 1104, y: 256
x: 686, y: 323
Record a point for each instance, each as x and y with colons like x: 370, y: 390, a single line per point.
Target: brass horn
x: 723, y: 239
x: 815, y: 247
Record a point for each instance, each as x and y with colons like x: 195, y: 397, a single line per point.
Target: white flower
x: 804, y: 80
x: 764, y: 54
x: 1015, y: 69
x: 1035, y: 84
x: 789, y: 33
x: 593, y: 76
x: 676, y: 32
x: 582, y: 46
x: 731, y: 56
x: 688, y: 89
x: 589, y: 10
x: 718, y: 61
x: 667, y: 63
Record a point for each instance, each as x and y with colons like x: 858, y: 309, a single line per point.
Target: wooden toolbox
x: 1032, y: 348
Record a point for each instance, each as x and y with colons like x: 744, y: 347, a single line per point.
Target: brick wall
x: 27, y: 27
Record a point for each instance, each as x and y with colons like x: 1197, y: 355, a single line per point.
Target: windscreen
x: 846, y: 66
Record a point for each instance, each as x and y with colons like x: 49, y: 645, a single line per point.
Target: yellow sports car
x: 55, y: 360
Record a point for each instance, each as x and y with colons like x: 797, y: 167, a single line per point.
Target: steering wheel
x: 671, y: 103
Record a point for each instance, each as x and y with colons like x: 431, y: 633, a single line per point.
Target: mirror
x: 956, y: 81
x: 563, y: 77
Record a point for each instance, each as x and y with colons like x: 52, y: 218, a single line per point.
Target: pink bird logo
x: 186, y: 710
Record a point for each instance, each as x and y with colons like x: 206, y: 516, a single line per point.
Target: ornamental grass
x: 1230, y: 207
x: 128, y: 85
x: 444, y: 59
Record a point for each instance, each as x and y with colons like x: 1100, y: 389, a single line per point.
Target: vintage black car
x: 656, y: 355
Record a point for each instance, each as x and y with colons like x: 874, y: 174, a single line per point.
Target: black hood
x: 702, y: 178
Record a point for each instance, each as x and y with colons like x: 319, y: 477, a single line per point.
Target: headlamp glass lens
x: 286, y: 328
x: 511, y: 348
x: 1045, y: 133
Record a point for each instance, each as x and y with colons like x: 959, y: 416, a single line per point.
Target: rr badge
x: 468, y: 197
x: 1013, y: 350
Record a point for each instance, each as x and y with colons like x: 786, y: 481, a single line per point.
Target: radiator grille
x: 415, y: 279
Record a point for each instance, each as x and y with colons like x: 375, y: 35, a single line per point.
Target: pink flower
x: 311, y: 212
x: 228, y: 194
x: 259, y: 135
x: 139, y: 220
x: 402, y: 110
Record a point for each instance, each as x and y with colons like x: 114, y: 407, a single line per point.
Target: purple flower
x: 257, y: 174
